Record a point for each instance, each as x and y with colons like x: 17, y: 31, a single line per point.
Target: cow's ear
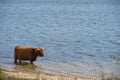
x: 36, y: 50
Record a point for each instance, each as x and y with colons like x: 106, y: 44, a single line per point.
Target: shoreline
x: 45, y: 76
x: 29, y: 71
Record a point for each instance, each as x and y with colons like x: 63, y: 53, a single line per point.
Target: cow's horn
x: 46, y: 48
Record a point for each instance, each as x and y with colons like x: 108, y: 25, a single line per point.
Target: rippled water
x: 83, y: 38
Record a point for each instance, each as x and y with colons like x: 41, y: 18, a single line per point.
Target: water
x: 83, y: 37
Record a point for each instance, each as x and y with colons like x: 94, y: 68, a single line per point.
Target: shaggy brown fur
x: 27, y: 53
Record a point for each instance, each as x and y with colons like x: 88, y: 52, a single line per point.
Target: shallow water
x: 83, y: 38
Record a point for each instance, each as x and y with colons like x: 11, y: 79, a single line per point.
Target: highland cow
x: 27, y: 53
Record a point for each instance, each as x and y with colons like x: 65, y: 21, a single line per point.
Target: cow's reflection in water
x: 25, y: 66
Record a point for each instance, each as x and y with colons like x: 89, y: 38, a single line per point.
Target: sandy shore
x: 41, y: 76
x: 29, y: 71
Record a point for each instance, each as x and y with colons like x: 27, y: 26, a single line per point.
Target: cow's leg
x: 31, y: 62
x: 19, y: 61
x: 15, y: 60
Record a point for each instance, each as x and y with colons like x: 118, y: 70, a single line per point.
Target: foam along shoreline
x: 41, y: 76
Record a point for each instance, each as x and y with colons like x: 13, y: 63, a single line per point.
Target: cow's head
x: 39, y: 51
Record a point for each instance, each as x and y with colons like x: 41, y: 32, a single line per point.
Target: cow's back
x: 23, y: 52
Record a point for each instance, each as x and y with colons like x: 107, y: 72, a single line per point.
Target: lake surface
x: 83, y: 37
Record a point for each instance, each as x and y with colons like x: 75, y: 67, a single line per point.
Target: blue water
x: 83, y: 37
